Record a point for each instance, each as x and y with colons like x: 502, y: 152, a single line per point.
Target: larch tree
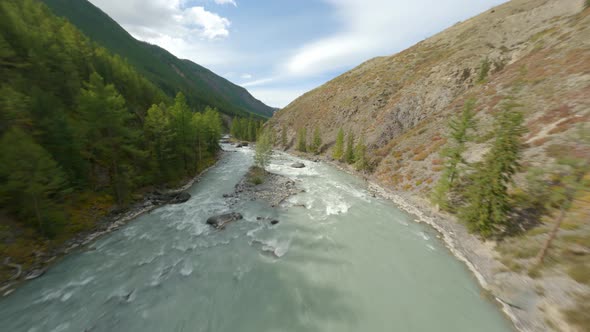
x: 109, y: 139
x: 338, y: 151
x: 316, y: 142
x: 302, y: 140
x: 31, y: 181
x: 460, y: 133
x: 349, y: 152
x: 487, y: 198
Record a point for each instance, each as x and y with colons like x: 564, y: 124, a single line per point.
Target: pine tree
x: 302, y: 140
x: 487, y: 195
x: 31, y: 181
x: 181, y: 118
x: 108, y: 136
x: 159, y: 136
x: 338, y: 151
x: 360, y: 155
x: 263, y: 150
x: 316, y: 142
x: 349, y: 153
x: 453, y: 153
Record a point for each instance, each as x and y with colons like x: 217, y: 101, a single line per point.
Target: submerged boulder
x: 220, y: 221
x: 180, y: 198
x: 158, y: 198
x: 298, y: 165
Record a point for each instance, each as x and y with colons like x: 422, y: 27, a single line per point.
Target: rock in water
x: 220, y: 221
x: 180, y: 198
x: 298, y: 165
x: 274, y: 222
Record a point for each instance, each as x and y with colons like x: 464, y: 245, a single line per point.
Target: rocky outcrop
x: 220, y: 221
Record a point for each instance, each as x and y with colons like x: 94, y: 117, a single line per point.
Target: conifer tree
x: 360, y: 155
x: 487, y: 199
x: 263, y: 150
x: 159, y: 136
x: 181, y: 118
x: 302, y: 140
x: 460, y: 128
x: 349, y: 153
x: 316, y: 143
x: 109, y: 139
x: 31, y: 181
x: 338, y: 151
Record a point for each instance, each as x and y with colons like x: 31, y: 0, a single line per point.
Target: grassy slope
x: 200, y: 85
x: 540, y: 55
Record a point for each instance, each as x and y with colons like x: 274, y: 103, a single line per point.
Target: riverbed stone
x: 220, y: 221
x: 298, y: 165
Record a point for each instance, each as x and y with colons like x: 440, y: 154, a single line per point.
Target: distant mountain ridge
x: 201, y: 86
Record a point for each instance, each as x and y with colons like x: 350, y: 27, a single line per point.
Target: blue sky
x: 280, y: 49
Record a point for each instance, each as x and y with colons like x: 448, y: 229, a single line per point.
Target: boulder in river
x: 220, y: 221
x: 180, y: 198
x: 169, y: 198
x: 298, y: 165
x: 274, y: 222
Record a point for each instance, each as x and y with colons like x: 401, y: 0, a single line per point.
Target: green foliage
x: 160, y: 137
x: 360, y: 155
x: 484, y: 69
x: 302, y: 140
x: 245, y: 129
x: 72, y: 113
x: 316, y: 142
x: 108, y: 138
x: 338, y: 151
x: 263, y: 150
x: 459, y: 134
x: 349, y: 153
x: 31, y: 181
x: 487, y: 199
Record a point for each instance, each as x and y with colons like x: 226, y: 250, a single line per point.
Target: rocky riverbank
x: 105, y: 225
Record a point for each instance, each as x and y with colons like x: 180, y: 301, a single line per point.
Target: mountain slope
x: 533, y: 52
x: 201, y: 86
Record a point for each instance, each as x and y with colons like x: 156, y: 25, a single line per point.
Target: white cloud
x: 261, y: 81
x: 246, y: 76
x: 378, y: 27
x: 278, y: 97
x: 186, y: 31
x: 225, y: 2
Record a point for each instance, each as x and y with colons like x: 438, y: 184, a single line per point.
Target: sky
x: 280, y: 49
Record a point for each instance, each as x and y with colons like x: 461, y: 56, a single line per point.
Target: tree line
x: 75, y: 118
x: 350, y: 151
x: 246, y: 129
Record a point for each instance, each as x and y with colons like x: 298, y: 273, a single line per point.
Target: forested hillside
x: 201, y: 86
x: 81, y: 132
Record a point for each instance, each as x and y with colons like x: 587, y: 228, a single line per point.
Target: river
x: 345, y: 261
